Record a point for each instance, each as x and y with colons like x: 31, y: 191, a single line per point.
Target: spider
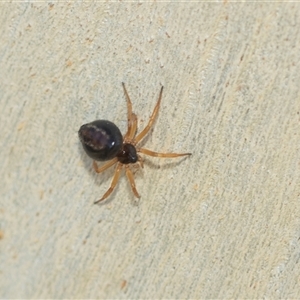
x: 102, y: 141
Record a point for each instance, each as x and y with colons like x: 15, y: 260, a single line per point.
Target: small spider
x: 102, y: 140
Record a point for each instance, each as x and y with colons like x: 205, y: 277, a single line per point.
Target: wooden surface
x: 224, y: 223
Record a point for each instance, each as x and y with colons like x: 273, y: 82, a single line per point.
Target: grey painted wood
x: 222, y: 223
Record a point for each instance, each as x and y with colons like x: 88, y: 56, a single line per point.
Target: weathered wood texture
x: 222, y: 223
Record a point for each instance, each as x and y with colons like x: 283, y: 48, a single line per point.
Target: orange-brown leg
x: 132, y: 130
x: 105, y: 166
x: 152, y: 119
x: 140, y: 161
x: 113, y: 183
x: 130, y: 120
x: 131, y: 181
x: 157, y: 154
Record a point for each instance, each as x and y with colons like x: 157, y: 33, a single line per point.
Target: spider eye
x: 101, y: 139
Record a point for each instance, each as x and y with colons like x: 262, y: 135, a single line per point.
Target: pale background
x: 224, y: 223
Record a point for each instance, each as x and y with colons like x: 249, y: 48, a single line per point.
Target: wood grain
x: 223, y: 223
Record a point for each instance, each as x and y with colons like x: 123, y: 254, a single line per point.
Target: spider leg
x: 113, y: 182
x: 157, y: 154
x: 104, y: 167
x: 131, y: 181
x: 130, y: 118
x: 133, y: 127
x: 141, y: 161
x: 152, y: 119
